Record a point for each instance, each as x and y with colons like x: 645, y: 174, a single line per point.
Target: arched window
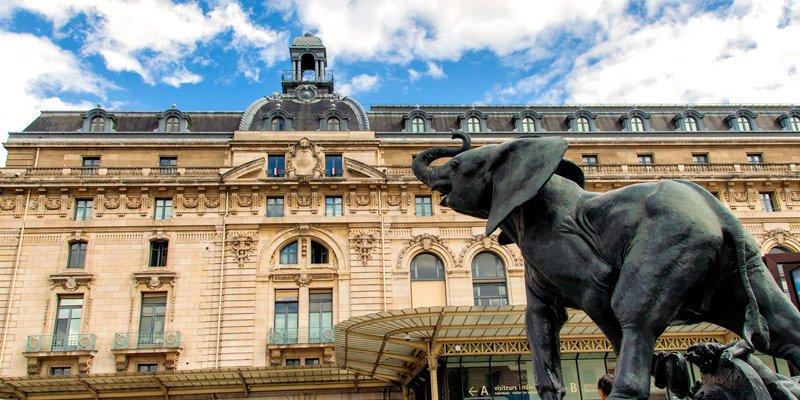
x: 427, y: 281
x: 417, y: 125
x: 489, y: 280
x: 528, y: 125
x: 288, y: 254
x: 332, y: 124
x: 172, y: 124
x: 319, y: 253
x: 582, y: 124
x: 77, y: 254
x: 779, y: 250
x: 636, y: 124
x: 690, y: 124
x: 98, y: 124
x: 278, y: 124
x: 743, y: 124
x: 794, y: 123
x: 473, y: 125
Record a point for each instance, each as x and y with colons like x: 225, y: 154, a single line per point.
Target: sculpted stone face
x: 635, y: 259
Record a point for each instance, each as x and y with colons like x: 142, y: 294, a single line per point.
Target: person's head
x: 604, y: 386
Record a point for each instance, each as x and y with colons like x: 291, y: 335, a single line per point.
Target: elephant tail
x: 754, y: 323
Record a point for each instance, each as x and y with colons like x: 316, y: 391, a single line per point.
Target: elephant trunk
x: 422, y: 162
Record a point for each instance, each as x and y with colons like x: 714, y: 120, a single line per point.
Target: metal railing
x: 55, y: 343
x: 123, y: 172
x: 299, y: 336
x: 305, y: 76
x: 157, y: 340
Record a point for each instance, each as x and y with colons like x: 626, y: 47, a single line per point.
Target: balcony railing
x: 124, y: 172
x: 305, y: 76
x: 54, y: 343
x: 137, y: 341
x: 295, y: 336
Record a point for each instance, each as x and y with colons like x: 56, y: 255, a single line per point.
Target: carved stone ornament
x: 111, y: 203
x: 242, y: 246
x: 155, y: 280
x: 52, y: 203
x: 34, y: 204
x: 364, y: 244
x: 780, y: 235
x: 363, y: 199
x: 190, y: 202
x: 304, y: 200
x: 211, y: 201
x: 795, y: 196
x: 133, y: 203
x: 71, y: 281
x: 486, y: 242
x: 305, y: 160
x: 8, y: 203
x: 303, y: 280
x: 306, y: 93
x: 394, y: 200
x: 740, y: 196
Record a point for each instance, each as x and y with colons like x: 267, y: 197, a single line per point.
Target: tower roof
x: 307, y: 40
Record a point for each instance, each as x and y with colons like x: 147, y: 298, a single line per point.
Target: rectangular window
x: 285, y: 328
x: 755, y: 158
x: 276, y: 165
x: 167, y: 165
x: 589, y: 159
x: 90, y: 165
x: 274, y: 206
x: 424, y: 207
x: 68, y: 323
x: 158, y: 253
x: 333, y: 206
x: 292, y: 362
x: 700, y: 158
x: 333, y: 165
x: 77, y: 255
x: 320, y: 316
x: 151, y: 320
x: 312, y: 361
x: 163, y: 209
x: 646, y: 159
x: 83, y: 209
x: 60, y: 371
x: 490, y: 294
x: 147, y: 368
x: 768, y: 201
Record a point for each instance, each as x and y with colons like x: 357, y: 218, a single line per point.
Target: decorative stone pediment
x: 357, y: 169
x: 250, y: 170
x: 71, y: 281
x: 305, y: 160
x: 155, y: 279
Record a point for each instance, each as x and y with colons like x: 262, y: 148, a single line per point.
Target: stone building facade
x: 287, y: 251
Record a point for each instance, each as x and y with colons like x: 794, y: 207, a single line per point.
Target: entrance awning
x: 395, y: 345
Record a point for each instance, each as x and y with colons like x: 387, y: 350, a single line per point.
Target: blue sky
x: 223, y: 54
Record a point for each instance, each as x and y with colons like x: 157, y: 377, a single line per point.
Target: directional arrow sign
x: 471, y: 391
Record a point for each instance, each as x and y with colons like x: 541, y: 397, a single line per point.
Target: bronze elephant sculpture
x: 635, y: 259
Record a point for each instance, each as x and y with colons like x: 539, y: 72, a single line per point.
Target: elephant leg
x: 543, y: 324
x: 727, y: 309
x: 653, y: 282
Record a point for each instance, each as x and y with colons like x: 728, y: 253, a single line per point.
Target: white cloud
x: 39, y: 69
x: 359, y: 84
x: 156, y: 38
x: 434, y: 71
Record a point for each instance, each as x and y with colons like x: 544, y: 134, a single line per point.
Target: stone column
x: 433, y: 367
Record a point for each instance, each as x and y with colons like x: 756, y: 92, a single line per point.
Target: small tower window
x: 636, y: 124
x: 743, y: 124
x: 278, y: 124
x: 172, y: 124
x: 473, y: 125
x: 98, y: 124
x: 417, y: 125
x: 332, y: 124
x: 582, y: 124
x: 528, y: 125
x: 690, y: 124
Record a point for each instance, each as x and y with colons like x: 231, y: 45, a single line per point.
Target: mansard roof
x: 135, y: 121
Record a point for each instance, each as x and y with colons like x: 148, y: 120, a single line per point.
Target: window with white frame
x: 83, y: 209
x: 582, y: 124
x: 489, y: 280
x: 163, y: 209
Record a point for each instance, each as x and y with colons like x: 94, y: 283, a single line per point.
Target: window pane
x: 589, y: 159
x: 417, y: 125
x: 276, y: 165
x: 487, y: 265
x: 794, y: 124
x: 319, y: 253
x: 333, y: 206
x: 333, y: 124
x: 427, y: 266
x: 528, y: 125
x: 473, y: 125
x: 172, y: 124
x: 158, y: 253
x: 163, y: 209
x: 700, y: 158
x: 288, y: 254
x: 83, y: 209
x: 744, y: 124
x: 424, y: 207
x: 582, y: 124
x: 98, y: 124
x: 755, y: 158
x: 275, y: 206
x: 333, y: 165
x: 768, y: 202
x: 77, y: 255
x: 636, y: 125
x: 278, y: 124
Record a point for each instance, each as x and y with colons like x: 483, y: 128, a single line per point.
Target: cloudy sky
x: 223, y: 54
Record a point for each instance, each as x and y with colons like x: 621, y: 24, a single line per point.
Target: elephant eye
x: 455, y: 165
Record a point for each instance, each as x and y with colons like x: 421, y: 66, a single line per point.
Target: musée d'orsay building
x: 287, y: 250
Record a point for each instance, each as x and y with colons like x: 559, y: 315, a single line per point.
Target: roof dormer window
x: 689, y: 121
x: 473, y: 121
x: 582, y: 121
x: 527, y: 121
x: 791, y: 120
x: 742, y: 121
x: 635, y: 121
x: 417, y: 121
x: 173, y: 121
x: 98, y: 120
x: 277, y: 119
x: 332, y: 120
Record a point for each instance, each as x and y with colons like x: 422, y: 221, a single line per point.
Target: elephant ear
x: 519, y: 169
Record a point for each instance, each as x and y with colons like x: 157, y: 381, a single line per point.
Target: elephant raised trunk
x: 434, y: 177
